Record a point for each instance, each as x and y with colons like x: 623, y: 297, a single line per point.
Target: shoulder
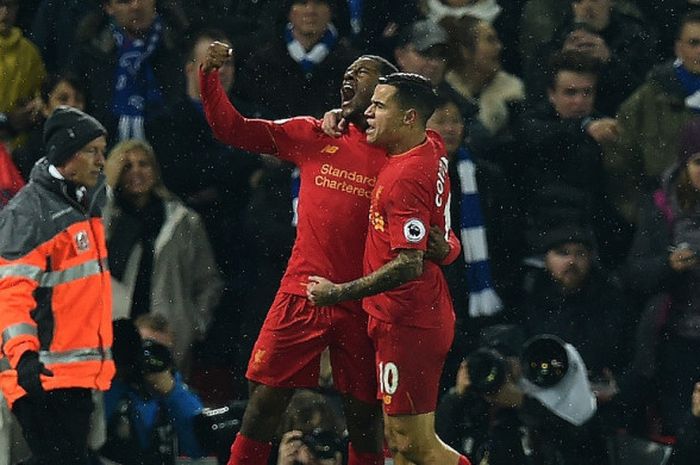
x: 20, y: 223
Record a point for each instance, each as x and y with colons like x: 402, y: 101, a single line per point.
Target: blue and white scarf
x: 690, y: 83
x: 318, y: 53
x: 483, y: 300
x: 135, y: 84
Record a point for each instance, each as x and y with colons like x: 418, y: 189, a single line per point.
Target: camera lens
x: 155, y: 357
x: 545, y: 360
x: 322, y: 444
x: 487, y: 370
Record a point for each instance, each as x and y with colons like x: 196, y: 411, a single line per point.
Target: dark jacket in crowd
x: 275, y: 81
x: 686, y: 450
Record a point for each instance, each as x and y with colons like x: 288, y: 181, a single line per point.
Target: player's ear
x: 410, y: 116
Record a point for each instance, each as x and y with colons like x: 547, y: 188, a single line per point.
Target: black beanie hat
x: 68, y: 130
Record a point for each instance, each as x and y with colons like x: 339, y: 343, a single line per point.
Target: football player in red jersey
x: 337, y: 177
x: 411, y: 318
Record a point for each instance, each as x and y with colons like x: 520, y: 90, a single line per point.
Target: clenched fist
x: 217, y: 54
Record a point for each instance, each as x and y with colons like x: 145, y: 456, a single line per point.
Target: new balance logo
x: 330, y: 149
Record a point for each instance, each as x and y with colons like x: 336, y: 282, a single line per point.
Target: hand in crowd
x: 508, y: 396
x: 161, y: 383
x: 289, y: 449
x: 606, y: 388
x: 604, y: 130
x: 695, y: 405
x: 463, y: 382
x: 217, y: 54
x: 114, y: 166
x: 589, y: 43
x: 321, y: 292
x: 682, y: 259
x: 333, y: 123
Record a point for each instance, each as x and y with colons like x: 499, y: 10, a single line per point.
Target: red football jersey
x: 412, y: 193
x: 337, y: 177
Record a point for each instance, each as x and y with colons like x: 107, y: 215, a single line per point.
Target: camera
x: 545, y: 360
x: 487, y: 370
x: 154, y: 357
x: 322, y: 444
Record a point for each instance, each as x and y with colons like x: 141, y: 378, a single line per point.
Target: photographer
x: 310, y: 432
x: 535, y: 419
x: 149, y: 409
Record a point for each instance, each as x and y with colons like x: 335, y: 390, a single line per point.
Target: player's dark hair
x: 573, y: 61
x: 385, y: 66
x: 413, y: 91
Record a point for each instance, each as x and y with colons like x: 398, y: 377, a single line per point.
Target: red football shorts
x: 288, y: 350
x: 409, y: 363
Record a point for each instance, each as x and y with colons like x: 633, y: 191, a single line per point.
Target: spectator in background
x: 485, y: 10
x: 624, y: 58
x: 308, y: 57
x: 56, y: 90
x: 21, y: 74
x: 663, y: 259
x: 475, y: 74
x: 422, y: 48
x: 559, y: 148
x: 160, y: 257
x: 129, y: 59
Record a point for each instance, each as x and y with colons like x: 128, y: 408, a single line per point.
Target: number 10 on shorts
x: 388, y: 378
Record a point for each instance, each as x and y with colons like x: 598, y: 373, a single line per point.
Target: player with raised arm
x: 337, y: 177
x: 411, y: 318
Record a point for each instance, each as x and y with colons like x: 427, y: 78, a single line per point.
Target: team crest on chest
x: 82, y: 241
x: 414, y: 230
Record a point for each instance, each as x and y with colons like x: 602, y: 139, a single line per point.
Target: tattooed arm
x: 406, y: 266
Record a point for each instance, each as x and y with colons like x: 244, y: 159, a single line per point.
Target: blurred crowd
x: 577, y: 118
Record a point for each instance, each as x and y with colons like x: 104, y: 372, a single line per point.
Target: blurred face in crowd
x: 64, y: 94
x: 309, y: 17
x: 226, y: 72
x: 595, y: 13
x: 136, y: 16
x: 487, y: 50
x: 359, y: 82
x: 688, y: 47
x: 138, y: 177
x: 573, y: 95
x: 569, y: 264
x: 85, y: 166
x: 8, y: 15
x: 430, y: 63
x: 447, y: 121
x: 693, y: 168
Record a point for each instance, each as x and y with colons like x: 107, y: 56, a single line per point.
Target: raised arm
x: 407, y: 265
x: 227, y: 124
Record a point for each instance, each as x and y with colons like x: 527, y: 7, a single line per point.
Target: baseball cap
x: 425, y: 34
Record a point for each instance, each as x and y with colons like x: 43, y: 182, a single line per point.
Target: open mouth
x: 347, y: 92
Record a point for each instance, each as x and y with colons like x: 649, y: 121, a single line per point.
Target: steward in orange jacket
x: 55, y: 295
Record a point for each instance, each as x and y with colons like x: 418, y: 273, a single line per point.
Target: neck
x: 307, y: 40
x: 193, y: 90
x: 476, y: 79
x: 413, y: 138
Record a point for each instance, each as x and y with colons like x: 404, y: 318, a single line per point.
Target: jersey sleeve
x: 455, y: 248
x: 282, y: 138
x: 408, y: 214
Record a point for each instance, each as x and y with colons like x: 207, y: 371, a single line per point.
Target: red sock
x: 463, y: 461
x: 246, y: 451
x: 364, y: 458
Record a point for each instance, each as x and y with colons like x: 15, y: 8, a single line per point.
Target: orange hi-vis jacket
x: 55, y: 294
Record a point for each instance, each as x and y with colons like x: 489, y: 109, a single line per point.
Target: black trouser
x: 56, y: 427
